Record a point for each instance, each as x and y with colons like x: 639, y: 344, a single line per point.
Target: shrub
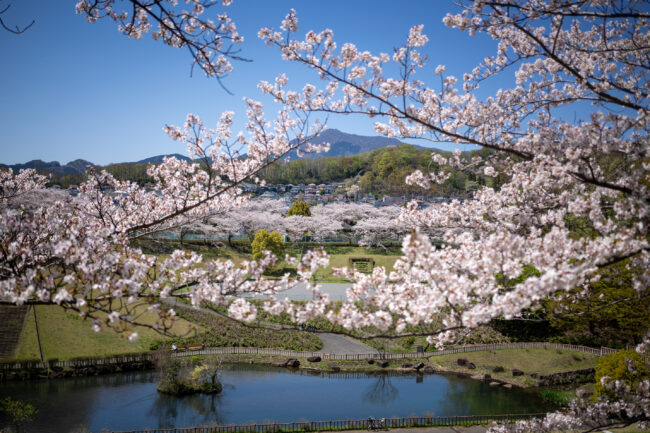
x: 408, y: 342
x: 299, y: 207
x: 18, y: 411
x: 625, y: 365
x: 156, y: 344
x: 265, y: 241
x: 562, y: 398
x: 183, y: 376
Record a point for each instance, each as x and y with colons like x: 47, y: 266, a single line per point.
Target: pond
x: 254, y: 393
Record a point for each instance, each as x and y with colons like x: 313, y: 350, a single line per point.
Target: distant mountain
x: 159, y: 158
x: 81, y: 165
x: 55, y: 167
x: 344, y: 144
x: 341, y: 144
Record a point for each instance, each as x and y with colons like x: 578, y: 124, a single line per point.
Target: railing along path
x: 357, y: 424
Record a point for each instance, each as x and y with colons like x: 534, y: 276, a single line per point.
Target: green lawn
x: 339, y: 256
x: 65, y: 335
x: 542, y: 361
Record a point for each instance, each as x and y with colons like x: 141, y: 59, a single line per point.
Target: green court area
x: 340, y: 257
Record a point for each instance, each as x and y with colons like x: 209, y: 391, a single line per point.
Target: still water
x: 127, y: 401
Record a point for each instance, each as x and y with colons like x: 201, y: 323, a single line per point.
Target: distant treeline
x: 380, y: 171
x: 124, y: 171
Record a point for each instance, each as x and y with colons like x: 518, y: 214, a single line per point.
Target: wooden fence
x: 358, y: 424
x: 377, y: 355
x: 152, y: 356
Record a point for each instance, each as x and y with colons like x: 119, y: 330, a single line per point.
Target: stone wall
x: 567, y: 377
x: 90, y: 370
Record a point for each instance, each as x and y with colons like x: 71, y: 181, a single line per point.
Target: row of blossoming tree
x: 587, y: 56
x: 347, y: 222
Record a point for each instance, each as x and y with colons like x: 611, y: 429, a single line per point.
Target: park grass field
x: 339, y: 255
x: 541, y: 361
x: 65, y: 335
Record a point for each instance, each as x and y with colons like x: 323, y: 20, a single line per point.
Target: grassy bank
x: 223, y: 332
x: 540, y: 361
x: 340, y: 256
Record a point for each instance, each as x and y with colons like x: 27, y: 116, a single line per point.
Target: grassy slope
x: 65, y: 335
x: 223, y: 332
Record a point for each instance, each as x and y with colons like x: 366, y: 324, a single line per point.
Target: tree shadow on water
x: 381, y: 392
x: 199, y: 408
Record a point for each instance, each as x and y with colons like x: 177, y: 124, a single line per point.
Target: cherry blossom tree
x: 212, y: 43
x: 223, y: 225
x: 260, y: 214
x: 367, y: 224
x: 374, y: 230
x: 363, y: 222
x: 562, y: 54
x: 589, y: 57
x: 77, y: 253
x: 319, y: 228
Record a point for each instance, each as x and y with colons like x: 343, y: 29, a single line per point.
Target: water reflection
x: 204, y: 407
x: 478, y: 398
x: 129, y: 401
x: 381, y: 392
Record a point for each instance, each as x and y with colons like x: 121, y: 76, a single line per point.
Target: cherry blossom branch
x: 204, y: 38
x: 17, y: 30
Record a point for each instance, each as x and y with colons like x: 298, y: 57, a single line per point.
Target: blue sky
x: 71, y: 89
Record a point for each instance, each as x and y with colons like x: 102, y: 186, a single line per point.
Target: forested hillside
x: 380, y: 171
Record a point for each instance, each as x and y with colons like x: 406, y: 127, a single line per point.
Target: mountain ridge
x: 345, y: 144
x: 341, y: 144
x: 54, y: 167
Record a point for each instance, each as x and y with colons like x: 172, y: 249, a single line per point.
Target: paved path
x: 454, y: 429
x: 299, y: 293
x: 340, y: 344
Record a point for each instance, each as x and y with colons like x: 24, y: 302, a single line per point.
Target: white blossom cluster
x: 588, y: 57
x: 77, y: 253
x: 556, y: 168
x: 368, y: 225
